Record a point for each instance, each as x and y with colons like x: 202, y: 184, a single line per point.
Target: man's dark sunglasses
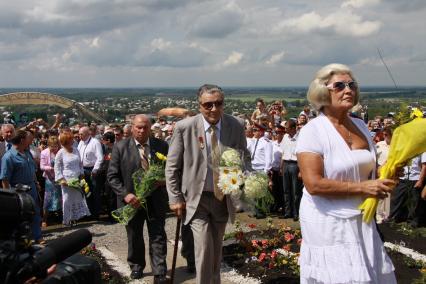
x: 209, y: 105
x: 340, y: 86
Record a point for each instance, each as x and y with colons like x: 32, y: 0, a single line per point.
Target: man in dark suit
x: 128, y: 156
x: 192, y: 174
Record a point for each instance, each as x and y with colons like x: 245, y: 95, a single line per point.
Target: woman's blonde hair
x: 318, y: 94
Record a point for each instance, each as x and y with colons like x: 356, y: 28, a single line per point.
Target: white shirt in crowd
x: 382, y: 152
x: 413, y: 169
x: 91, y: 153
x: 277, y: 153
x: 261, y: 151
x: 308, y: 115
x: 289, y: 147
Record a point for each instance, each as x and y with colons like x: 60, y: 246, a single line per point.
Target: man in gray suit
x: 128, y: 156
x: 192, y: 173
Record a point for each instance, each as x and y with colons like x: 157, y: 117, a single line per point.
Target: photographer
x: 18, y: 167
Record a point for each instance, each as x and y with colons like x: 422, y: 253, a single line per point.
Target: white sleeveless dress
x: 337, y: 246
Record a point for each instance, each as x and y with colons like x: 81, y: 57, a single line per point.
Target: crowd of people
x: 320, y: 164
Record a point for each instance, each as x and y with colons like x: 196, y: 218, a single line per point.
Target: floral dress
x: 68, y: 166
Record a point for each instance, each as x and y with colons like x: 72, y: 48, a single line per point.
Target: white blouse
x: 321, y: 137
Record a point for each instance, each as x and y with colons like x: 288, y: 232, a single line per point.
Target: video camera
x: 20, y: 260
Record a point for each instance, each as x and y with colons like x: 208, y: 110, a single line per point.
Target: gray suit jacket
x: 187, y: 160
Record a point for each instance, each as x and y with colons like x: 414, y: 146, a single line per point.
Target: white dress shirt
x: 147, y: 148
x: 414, y: 167
x: 277, y: 153
x: 91, y: 154
x: 261, y: 154
x: 208, y: 185
x: 289, y: 147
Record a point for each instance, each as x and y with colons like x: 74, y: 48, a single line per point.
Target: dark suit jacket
x: 125, y: 160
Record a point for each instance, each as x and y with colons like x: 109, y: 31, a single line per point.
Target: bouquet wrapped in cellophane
x: 80, y: 185
x: 145, y: 184
x: 256, y: 191
x: 251, y: 187
x: 408, y: 141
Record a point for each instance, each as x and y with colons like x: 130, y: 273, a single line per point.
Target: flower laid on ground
x: 80, y: 185
x: 251, y: 226
x: 231, y: 177
x: 144, y: 183
x: 270, y: 248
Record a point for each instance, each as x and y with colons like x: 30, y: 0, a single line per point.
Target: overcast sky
x: 141, y: 43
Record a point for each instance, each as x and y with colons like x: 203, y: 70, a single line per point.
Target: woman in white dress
x: 337, y: 161
x: 68, y: 166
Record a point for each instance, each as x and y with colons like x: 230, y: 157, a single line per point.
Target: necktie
x: 255, y: 147
x: 215, y: 156
x: 144, y: 157
x: 8, y: 146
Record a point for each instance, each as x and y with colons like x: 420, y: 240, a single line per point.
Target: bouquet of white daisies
x: 231, y: 176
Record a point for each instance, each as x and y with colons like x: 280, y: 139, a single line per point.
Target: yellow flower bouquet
x: 408, y: 141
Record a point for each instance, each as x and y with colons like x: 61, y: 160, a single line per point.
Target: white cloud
x: 217, y: 23
x: 233, y: 59
x: 275, y: 58
x: 160, y: 44
x: 344, y: 23
x: 95, y: 42
x: 359, y: 3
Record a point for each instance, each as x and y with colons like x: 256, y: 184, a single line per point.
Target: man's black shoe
x: 136, y: 274
x: 296, y: 218
x: 160, y: 279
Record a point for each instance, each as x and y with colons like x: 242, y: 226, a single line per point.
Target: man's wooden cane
x: 175, y: 249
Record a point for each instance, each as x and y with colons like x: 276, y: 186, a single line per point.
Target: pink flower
x: 271, y: 265
x: 288, y: 237
x: 264, y: 243
x: 299, y: 241
x: 262, y: 257
x: 286, y: 247
x: 273, y: 254
x: 254, y: 243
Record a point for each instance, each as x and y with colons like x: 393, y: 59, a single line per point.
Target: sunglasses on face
x: 209, y: 105
x: 340, y: 86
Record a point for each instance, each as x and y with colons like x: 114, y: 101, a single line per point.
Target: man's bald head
x: 141, y: 128
x: 141, y: 117
x: 84, y: 133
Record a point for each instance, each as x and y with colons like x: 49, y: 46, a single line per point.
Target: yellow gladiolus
x: 408, y: 141
x: 160, y: 156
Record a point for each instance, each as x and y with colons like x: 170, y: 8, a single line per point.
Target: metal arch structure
x: 37, y: 98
